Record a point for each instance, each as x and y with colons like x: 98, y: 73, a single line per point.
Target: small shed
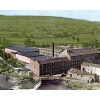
x: 21, y: 71
x: 29, y: 66
x: 81, y: 75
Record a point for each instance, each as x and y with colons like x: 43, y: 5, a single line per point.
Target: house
x: 81, y: 75
x: 91, y: 68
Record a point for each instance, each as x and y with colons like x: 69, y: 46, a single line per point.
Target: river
x: 7, y: 83
x: 14, y: 83
x: 53, y: 85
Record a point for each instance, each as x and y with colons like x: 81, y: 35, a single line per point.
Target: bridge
x: 52, y: 77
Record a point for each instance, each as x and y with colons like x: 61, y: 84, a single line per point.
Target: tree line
x: 29, y: 42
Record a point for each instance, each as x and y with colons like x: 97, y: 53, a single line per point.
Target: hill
x: 48, y: 29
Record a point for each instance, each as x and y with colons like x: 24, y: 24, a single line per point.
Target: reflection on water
x: 7, y: 82
x: 53, y: 85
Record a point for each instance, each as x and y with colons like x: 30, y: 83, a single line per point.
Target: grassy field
x: 44, y: 29
x: 75, y: 84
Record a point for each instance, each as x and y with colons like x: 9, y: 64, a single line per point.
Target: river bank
x: 7, y: 82
x: 53, y: 85
x: 10, y: 83
x: 75, y: 84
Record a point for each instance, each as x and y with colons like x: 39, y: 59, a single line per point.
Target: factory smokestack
x: 53, y: 49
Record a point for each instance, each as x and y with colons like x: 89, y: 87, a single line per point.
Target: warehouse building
x: 24, y: 54
x: 21, y: 49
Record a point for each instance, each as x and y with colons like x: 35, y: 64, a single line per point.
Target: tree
x: 65, y: 34
x: 29, y: 42
x: 77, y: 39
x: 71, y: 46
x: 93, y: 43
x: 0, y: 40
x: 85, y: 44
x: 73, y: 37
x: 5, y: 42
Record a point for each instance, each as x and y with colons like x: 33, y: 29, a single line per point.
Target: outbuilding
x: 81, y: 75
x: 91, y: 68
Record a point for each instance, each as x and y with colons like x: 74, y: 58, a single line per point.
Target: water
x: 53, y: 85
x: 7, y: 82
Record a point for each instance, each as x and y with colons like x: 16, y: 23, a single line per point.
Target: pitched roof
x: 82, y: 51
x: 39, y: 57
x: 91, y: 64
x: 34, y: 56
x: 30, y: 52
x: 79, y: 72
x: 53, y: 60
x: 23, y: 48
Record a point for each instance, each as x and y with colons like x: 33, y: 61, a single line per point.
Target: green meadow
x: 43, y: 29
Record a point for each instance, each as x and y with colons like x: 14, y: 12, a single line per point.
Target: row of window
x: 58, y: 67
x: 53, y: 70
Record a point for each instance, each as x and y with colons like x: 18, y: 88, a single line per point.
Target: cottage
x: 81, y: 75
x: 91, y: 68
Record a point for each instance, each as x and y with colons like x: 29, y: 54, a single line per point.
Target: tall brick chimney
x: 53, y: 49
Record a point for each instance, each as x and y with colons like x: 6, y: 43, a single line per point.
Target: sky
x: 92, y: 15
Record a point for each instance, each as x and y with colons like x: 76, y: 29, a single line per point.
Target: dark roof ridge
x: 79, y: 72
x: 53, y: 60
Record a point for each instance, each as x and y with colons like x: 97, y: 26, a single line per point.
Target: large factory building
x: 74, y: 59
x: 57, y: 64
